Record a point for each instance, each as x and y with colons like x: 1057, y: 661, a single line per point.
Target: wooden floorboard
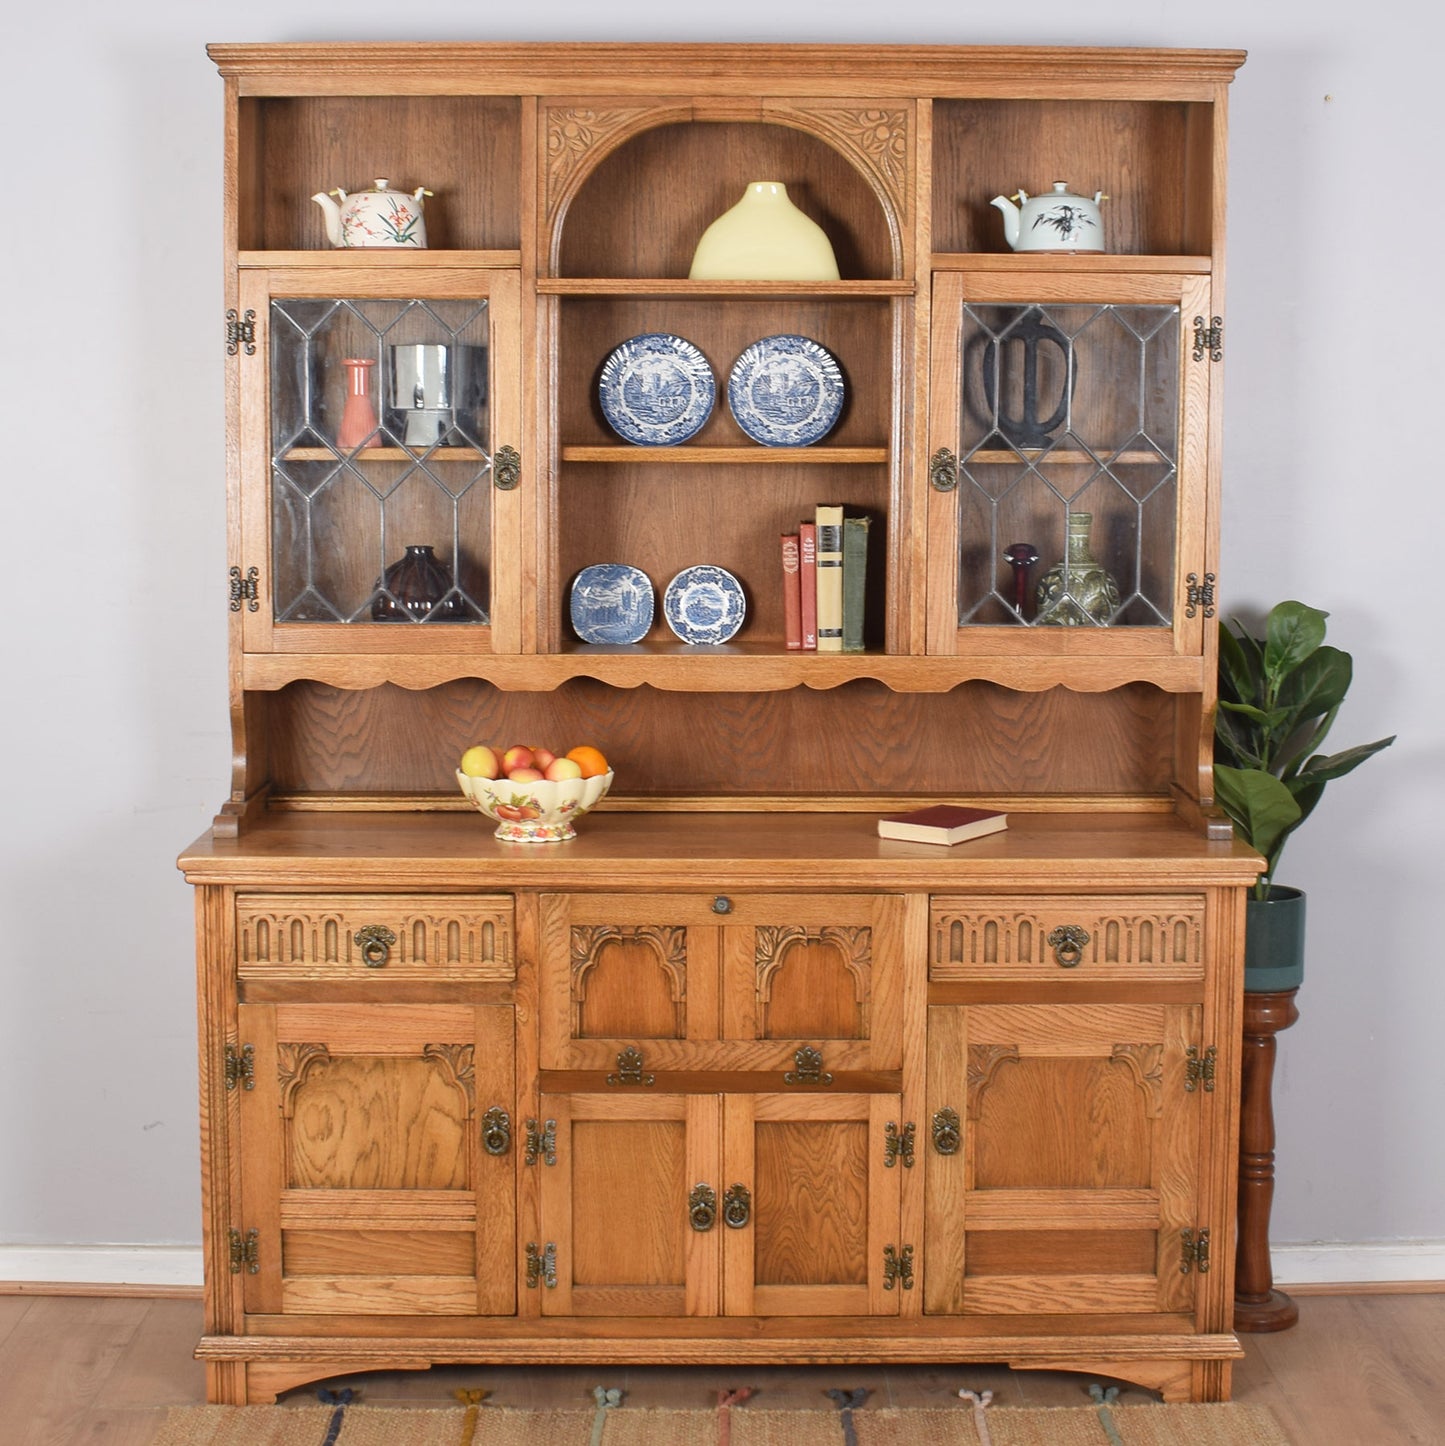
x: 1358, y: 1370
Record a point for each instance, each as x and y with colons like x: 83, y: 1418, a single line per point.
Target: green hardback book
x: 855, y: 576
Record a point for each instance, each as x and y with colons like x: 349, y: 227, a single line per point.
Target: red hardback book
x: 792, y: 593
x: 943, y: 823
x: 808, y: 583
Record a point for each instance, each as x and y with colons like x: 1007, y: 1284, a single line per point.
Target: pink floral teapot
x: 381, y: 217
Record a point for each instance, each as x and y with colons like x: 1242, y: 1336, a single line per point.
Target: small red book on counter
x: 943, y: 823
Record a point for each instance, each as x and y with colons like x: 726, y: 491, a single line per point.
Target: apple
x: 542, y: 758
x: 524, y: 775
x: 517, y: 756
x: 481, y: 762
x: 561, y: 768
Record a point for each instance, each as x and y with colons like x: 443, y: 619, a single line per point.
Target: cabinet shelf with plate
x: 864, y: 1039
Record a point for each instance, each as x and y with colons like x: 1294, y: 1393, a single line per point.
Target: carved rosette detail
x: 293, y: 1063
x: 1146, y: 1063
x: 573, y: 133
x: 457, y: 1061
x: 983, y: 1063
x: 875, y: 138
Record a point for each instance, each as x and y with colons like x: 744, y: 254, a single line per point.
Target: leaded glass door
x: 1068, y: 471
x: 380, y: 507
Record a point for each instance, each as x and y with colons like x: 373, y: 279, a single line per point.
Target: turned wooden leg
x: 1258, y: 1307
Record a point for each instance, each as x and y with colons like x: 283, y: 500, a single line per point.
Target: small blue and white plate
x: 786, y: 391
x: 656, y: 390
x: 612, y: 603
x: 704, y: 604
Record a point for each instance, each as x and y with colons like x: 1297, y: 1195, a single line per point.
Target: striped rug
x: 844, y: 1418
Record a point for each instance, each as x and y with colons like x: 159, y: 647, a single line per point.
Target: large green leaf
x: 1292, y: 632
x: 1241, y: 670
x: 1322, y: 770
x: 1260, y: 805
x: 1318, y: 684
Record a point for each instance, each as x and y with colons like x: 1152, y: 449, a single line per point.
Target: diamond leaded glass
x: 1068, y: 411
x: 356, y: 497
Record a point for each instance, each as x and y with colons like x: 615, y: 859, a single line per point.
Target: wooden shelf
x: 680, y: 287
x: 380, y: 258
x: 727, y: 456
x: 730, y: 668
x: 1088, y: 264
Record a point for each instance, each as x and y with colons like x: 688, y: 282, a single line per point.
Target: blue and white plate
x: 612, y: 603
x: 656, y: 390
x: 786, y: 391
x: 704, y: 604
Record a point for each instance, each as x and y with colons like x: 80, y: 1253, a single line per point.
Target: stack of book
x: 825, y: 565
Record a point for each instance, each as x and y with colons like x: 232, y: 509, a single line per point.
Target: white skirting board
x: 171, y: 1266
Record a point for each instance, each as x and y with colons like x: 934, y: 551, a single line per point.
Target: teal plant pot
x: 1274, y: 941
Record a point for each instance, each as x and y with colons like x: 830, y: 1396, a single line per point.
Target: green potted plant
x: 1278, y: 698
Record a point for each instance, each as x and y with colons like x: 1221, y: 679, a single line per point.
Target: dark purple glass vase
x: 417, y: 588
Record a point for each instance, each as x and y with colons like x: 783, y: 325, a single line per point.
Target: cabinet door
x: 1069, y: 476
x: 376, y: 1159
x: 380, y: 507
x: 1062, y: 1173
x: 731, y: 983
x: 630, y: 1206
x: 700, y: 1204
x: 821, y: 1237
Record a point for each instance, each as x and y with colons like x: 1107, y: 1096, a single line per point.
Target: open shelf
x: 818, y: 456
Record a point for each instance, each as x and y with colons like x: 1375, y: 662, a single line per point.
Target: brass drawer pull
x: 810, y: 1068
x: 737, y: 1207
x: 1068, y: 942
x: 375, y: 941
x: 496, y: 1131
x: 702, y: 1208
x: 947, y: 1132
x: 630, y: 1070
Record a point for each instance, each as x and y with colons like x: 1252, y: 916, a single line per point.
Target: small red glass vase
x: 358, y: 418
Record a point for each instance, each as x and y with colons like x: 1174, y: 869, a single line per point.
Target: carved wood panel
x: 1068, y: 937
x: 379, y: 936
x: 813, y: 983
x: 629, y: 981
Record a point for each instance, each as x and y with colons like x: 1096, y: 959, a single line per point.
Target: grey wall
x: 112, y: 569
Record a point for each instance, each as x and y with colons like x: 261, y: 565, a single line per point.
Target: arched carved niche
x: 614, y: 180
x: 629, y: 980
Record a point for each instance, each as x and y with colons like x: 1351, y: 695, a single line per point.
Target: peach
x: 524, y: 775
x: 481, y: 762
x: 517, y: 756
x: 561, y: 768
x: 542, y: 758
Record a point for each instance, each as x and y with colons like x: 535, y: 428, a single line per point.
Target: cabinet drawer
x: 371, y: 935
x: 722, y: 982
x: 1025, y: 938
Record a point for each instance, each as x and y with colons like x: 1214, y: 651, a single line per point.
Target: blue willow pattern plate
x: 704, y: 604
x: 786, y: 391
x: 612, y: 603
x: 656, y: 390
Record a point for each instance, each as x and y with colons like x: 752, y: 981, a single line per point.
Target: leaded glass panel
x: 381, y: 465
x: 1069, y: 470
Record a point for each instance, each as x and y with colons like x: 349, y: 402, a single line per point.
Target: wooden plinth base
x: 1258, y: 1306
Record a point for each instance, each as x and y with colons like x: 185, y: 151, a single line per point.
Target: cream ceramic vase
x: 764, y: 238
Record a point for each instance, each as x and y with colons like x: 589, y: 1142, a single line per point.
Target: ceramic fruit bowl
x: 541, y: 812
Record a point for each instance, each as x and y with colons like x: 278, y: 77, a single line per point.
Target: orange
x: 589, y: 760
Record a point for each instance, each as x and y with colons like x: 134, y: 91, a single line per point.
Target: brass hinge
x: 241, y: 1066
x: 1209, y: 340
x: 541, y: 1142
x: 1199, y: 1069
x: 809, y: 1070
x: 240, y: 331
x: 1199, y: 594
x: 629, y: 1069
x: 898, y: 1145
x: 943, y: 470
x: 1193, y: 1251
x: 245, y: 1252
x: 541, y: 1265
x: 506, y: 468
x: 897, y: 1267
x: 245, y: 589
x: 947, y: 1135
